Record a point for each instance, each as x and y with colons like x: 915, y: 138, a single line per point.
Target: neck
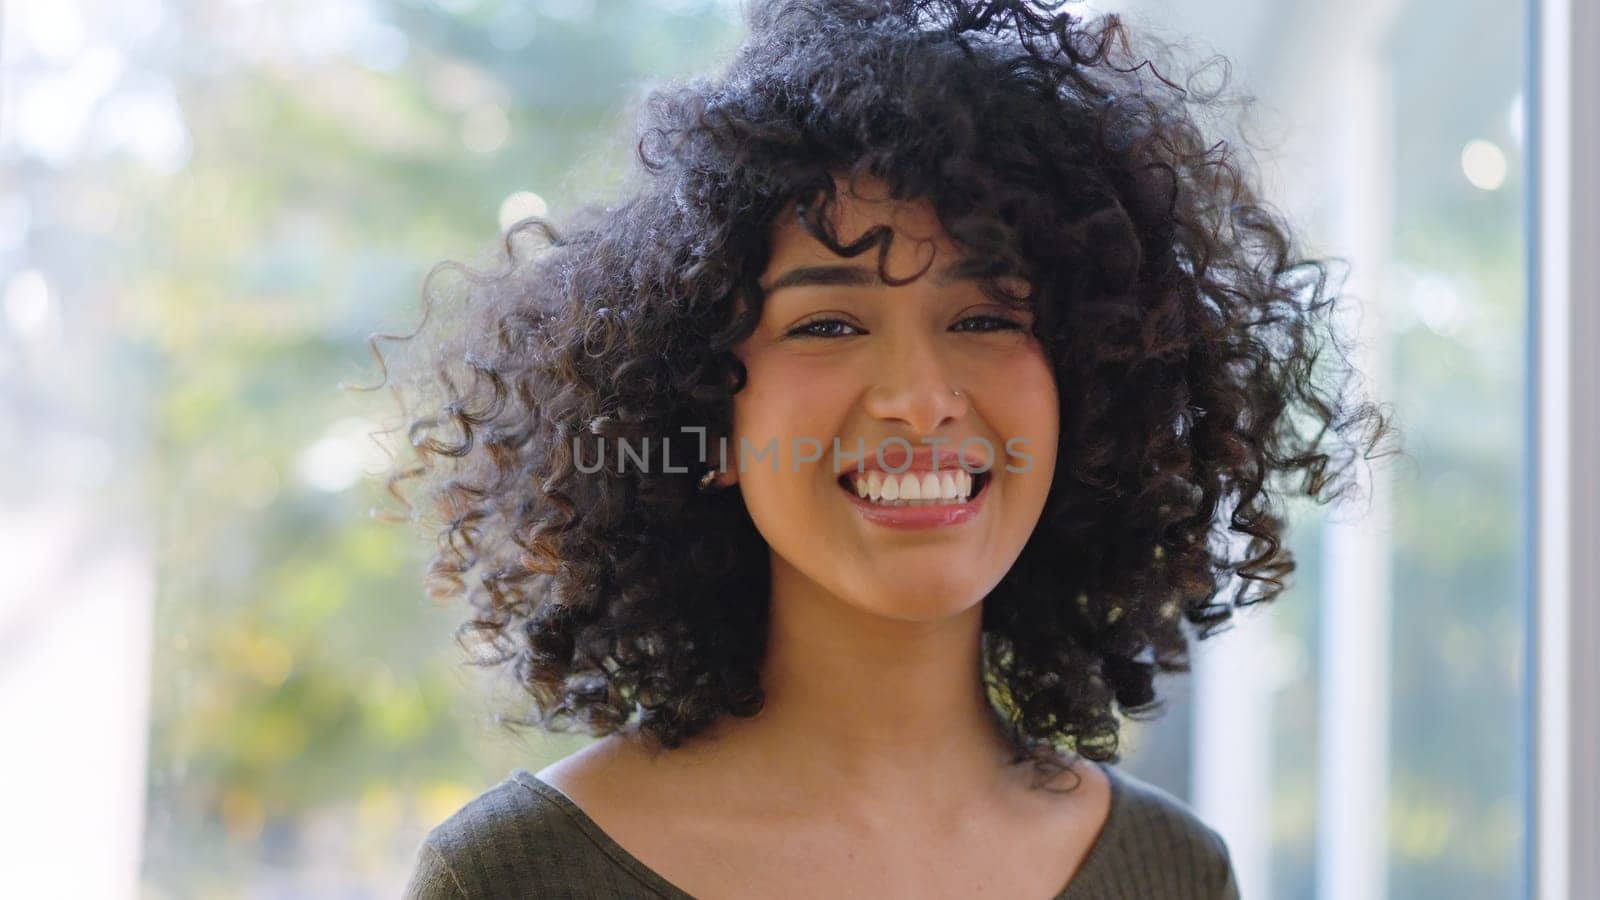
x: 867, y: 711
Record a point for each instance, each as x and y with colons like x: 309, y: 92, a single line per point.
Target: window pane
x: 1398, y: 138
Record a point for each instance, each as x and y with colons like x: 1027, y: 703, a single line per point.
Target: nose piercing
x: 956, y: 392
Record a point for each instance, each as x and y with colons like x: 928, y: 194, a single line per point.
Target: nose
x: 913, y: 387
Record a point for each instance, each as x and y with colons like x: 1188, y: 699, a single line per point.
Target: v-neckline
x: 659, y: 884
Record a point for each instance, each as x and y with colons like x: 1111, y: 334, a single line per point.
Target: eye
x: 827, y: 328
x: 815, y: 328
x: 992, y: 323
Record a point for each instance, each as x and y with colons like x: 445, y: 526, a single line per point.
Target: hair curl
x: 1175, y: 306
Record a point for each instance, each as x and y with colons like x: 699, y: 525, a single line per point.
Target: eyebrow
x: 857, y: 276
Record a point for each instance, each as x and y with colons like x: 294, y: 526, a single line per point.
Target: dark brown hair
x: 1187, y: 334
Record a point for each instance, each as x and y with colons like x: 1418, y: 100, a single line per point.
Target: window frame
x: 1562, y: 672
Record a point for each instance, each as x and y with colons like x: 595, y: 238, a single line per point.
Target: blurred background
x: 220, y: 677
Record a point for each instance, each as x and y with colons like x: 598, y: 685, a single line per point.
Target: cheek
x: 1042, y: 405
x: 1023, y: 401
x: 787, y: 396
x: 789, y: 406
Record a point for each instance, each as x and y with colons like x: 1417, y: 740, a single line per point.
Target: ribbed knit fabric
x: 523, y: 839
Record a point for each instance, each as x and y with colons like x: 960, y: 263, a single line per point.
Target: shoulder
x: 513, y: 840
x: 1159, y: 846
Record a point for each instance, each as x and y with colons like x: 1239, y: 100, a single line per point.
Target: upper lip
x: 922, y: 459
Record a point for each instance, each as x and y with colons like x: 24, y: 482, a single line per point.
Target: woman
x: 977, y: 337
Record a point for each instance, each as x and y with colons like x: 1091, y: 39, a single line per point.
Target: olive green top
x: 523, y: 838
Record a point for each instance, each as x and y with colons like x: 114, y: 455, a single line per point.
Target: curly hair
x: 1176, y: 308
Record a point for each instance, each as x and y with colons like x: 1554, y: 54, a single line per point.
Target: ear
x: 718, y: 482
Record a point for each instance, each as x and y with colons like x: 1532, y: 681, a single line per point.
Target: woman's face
x: 846, y: 358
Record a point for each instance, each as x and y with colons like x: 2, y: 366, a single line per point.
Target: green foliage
x: 306, y: 686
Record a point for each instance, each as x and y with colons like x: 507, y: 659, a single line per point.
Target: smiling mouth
x: 908, y: 489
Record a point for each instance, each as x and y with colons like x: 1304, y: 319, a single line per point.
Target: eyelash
x: 801, y: 330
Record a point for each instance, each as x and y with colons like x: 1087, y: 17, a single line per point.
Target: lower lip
x: 918, y: 517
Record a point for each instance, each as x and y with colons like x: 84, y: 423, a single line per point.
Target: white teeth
x: 912, y: 488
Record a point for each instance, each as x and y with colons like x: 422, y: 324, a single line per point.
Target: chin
x: 930, y: 604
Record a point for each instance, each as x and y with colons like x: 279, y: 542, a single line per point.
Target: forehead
x: 918, y: 235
